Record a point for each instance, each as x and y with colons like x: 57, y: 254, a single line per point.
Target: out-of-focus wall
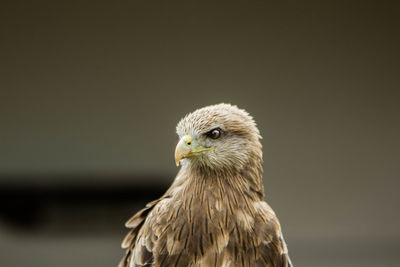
x: 90, y: 94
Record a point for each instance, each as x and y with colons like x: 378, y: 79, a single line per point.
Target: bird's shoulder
x: 161, y: 235
x: 146, y: 226
x: 269, y: 238
x: 139, y: 227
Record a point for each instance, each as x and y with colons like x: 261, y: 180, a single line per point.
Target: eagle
x: 214, y: 213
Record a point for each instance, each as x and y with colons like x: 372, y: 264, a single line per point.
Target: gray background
x: 91, y: 92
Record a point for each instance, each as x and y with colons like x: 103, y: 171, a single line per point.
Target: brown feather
x: 214, y: 213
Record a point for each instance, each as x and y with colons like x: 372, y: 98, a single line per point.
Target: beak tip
x: 177, y: 160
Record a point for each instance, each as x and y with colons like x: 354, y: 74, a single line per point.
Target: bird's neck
x: 244, y: 181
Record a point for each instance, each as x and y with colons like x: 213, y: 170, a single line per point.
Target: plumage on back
x: 214, y: 213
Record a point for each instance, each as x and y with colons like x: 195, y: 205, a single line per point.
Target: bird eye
x: 214, y: 134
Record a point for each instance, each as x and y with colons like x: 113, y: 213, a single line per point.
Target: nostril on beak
x: 187, y: 139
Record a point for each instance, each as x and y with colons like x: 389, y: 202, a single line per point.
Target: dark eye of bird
x: 214, y: 134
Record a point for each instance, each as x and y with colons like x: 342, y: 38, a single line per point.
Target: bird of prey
x: 214, y: 213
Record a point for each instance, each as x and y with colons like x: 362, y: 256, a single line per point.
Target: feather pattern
x: 210, y: 216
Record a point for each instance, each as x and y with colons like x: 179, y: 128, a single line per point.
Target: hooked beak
x: 187, y: 148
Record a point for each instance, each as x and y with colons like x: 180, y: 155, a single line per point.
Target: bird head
x: 218, y: 137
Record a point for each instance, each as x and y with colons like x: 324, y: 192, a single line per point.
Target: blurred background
x: 90, y: 93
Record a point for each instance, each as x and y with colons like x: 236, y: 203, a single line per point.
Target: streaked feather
x: 211, y: 216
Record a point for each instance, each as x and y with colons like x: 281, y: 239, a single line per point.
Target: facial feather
x: 239, y: 140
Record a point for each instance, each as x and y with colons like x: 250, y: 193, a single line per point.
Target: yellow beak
x: 186, y: 148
